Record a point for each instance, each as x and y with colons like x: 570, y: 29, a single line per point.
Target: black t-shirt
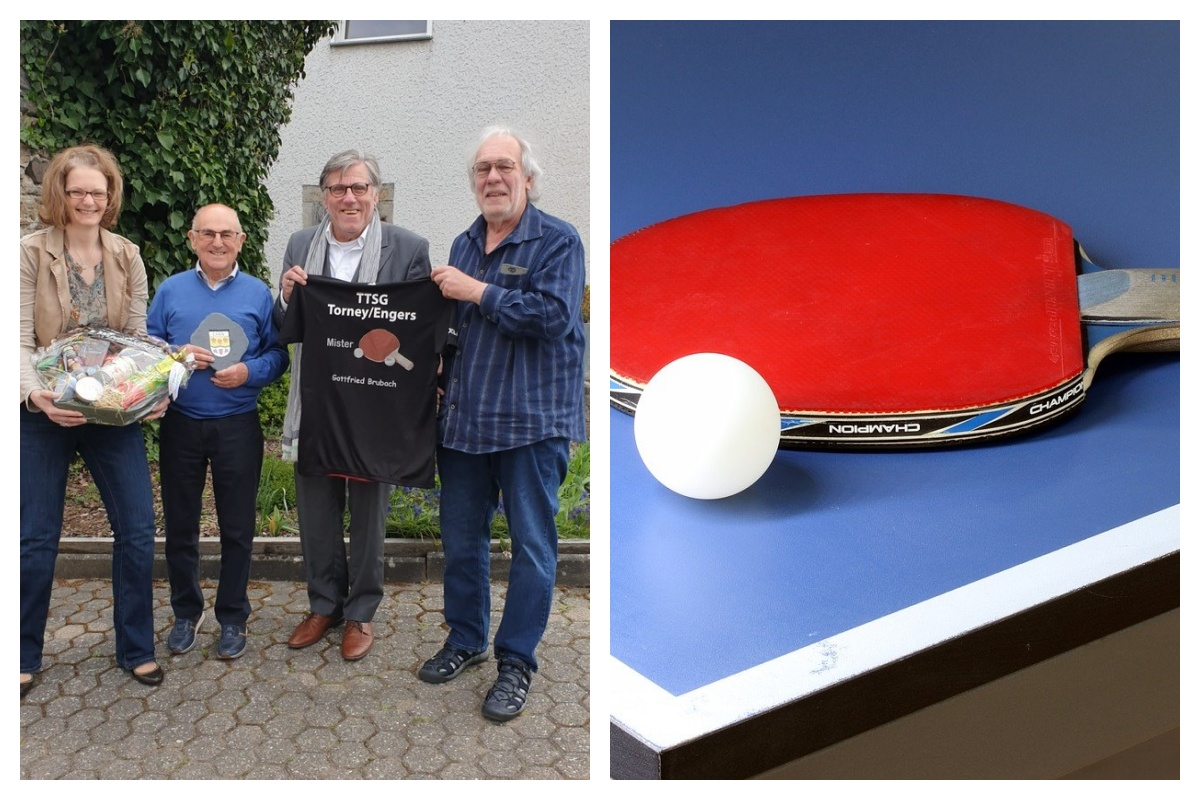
x: 368, y: 384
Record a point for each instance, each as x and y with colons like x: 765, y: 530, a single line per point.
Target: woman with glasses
x: 76, y: 272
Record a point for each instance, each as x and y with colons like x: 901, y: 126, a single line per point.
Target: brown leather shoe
x: 357, y: 640
x: 311, y: 629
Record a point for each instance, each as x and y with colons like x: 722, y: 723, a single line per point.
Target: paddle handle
x: 1128, y: 310
x: 1130, y: 297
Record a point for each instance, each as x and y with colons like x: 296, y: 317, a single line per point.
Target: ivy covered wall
x: 191, y: 109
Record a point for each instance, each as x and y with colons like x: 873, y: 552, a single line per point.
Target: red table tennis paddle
x: 383, y: 347
x: 884, y: 319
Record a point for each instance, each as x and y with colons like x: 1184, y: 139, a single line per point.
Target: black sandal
x: 152, y: 678
x: 448, y: 663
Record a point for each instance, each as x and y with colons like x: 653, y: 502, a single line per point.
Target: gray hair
x: 529, y: 164
x: 347, y: 159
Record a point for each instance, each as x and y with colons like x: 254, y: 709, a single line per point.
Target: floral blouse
x: 88, y: 306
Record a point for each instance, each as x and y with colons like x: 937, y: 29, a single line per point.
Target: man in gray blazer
x: 351, y: 244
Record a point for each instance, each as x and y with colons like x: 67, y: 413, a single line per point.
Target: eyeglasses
x: 206, y: 235
x: 79, y: 194
x: 339, y: 189
x: 481, y: 169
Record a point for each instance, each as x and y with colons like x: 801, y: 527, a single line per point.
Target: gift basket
x: 111, y: 377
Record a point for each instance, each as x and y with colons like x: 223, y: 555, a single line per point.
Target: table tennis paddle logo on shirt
x: 383, y: 347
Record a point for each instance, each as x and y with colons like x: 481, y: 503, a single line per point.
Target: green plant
x: 150, y: 435
x: 574, y: 496
x: 413, y: 514
x: 272, y: 404
x: 191, y: 108
x: 500, y: 532
x: 277, y: 523
x: 277, y: 485
x: 585, y: 310
x: 276, y: 500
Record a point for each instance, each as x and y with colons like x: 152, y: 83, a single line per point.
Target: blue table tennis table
x: 845, y: 590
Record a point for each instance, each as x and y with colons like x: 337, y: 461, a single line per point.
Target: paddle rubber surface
x: 877, y: 319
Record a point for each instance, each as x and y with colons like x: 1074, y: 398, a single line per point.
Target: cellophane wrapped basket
x: 112, y: 377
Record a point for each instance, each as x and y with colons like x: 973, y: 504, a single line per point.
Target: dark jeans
x: 116, y: 457
x: 528, y: 478
x: 233, y: 448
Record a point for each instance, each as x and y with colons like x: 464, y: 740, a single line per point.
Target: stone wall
x: 33, y: 167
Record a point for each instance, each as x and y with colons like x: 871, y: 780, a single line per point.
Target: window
x: 365, y: 31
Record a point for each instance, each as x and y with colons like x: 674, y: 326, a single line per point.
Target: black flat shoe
x: 152, y: 678
x: 26, y: 686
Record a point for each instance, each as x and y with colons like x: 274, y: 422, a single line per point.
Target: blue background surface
x: 1076, y: 119
x: 1079, y: 120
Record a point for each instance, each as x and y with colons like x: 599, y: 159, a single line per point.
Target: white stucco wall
x: 419, y: 106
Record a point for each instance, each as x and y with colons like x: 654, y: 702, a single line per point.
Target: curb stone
x: 280, y: 559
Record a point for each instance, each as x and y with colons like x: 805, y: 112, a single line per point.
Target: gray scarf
x: 314, y: 264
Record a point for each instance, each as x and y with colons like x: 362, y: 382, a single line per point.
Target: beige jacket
x: 46, y: 294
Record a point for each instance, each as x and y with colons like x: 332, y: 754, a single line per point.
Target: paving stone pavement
x: 277, y: 713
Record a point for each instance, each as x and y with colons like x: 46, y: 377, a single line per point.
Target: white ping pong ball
x: 707, y: 426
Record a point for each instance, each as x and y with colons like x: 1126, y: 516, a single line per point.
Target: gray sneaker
x: 183, y: 636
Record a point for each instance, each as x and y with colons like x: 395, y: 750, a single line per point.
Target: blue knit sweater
x: 181, y: 304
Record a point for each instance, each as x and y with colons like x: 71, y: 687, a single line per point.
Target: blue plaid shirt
x: 516, y: 376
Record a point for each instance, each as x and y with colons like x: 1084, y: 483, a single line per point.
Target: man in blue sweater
x: 223, y: 316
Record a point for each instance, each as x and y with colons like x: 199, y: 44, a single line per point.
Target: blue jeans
x: 528, y: 479
x: 116, y: 457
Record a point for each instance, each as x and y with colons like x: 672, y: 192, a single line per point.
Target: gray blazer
x: 403, y: 256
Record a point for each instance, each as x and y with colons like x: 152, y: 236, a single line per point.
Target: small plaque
x: 222, y: 337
